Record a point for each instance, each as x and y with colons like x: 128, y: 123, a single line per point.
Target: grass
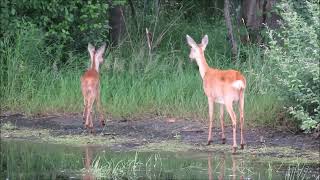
x: 133, y: 83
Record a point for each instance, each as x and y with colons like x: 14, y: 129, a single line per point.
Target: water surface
x: 28, y: 160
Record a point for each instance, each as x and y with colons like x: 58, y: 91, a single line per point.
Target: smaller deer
x: 220, y: 86
x: 90, y: 86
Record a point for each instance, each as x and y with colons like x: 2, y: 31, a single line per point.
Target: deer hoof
x: 209, y: 142
x: 234, y: 150
x: 92, y: 131
x: 223, y: 140
x: 242, y: 146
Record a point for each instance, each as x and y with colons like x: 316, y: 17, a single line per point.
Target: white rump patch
x: 238, y: 84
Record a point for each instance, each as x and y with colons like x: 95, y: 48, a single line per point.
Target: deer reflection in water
x: 222, y: 168
x: 87, y: 163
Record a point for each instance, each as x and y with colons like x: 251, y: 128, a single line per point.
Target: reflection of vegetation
x: 300, y: 172
x: 36, y: 161
x: 45, y: 161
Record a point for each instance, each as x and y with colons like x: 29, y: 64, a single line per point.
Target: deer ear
x: 91, y: 50
x: 191, y: 42
x: 204, y: 42
x: 101, y: 50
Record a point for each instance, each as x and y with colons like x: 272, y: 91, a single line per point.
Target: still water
x: 27, y: 160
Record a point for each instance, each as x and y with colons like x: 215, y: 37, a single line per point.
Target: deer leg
x: 89, y: 113
x: 241, y: 110
x: 223, y: 138
x: 102, y: 119
x: 85, y: 102
x: 234, y: 125
x: 84, y: 111
x: 211, y: 109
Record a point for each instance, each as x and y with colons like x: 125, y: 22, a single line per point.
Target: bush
x: 69, y: 23
x: 294, y: 49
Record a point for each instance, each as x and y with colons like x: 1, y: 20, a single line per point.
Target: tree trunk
x: 257, y: 13
x: 234, y: 48
x: 117, y: 24
x: 133, y: 12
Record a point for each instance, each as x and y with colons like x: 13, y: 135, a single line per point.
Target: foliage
x: 295, y: 51
x: 68, y: 23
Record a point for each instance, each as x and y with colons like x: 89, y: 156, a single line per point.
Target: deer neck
x: 95, y: 63
x: 202, y: 64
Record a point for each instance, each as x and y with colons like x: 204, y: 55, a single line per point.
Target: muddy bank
x: 157, y: 133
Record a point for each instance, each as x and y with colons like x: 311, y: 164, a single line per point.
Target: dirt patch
x: 132, y: 134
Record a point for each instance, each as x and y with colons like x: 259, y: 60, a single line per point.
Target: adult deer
x: 220, y: 86
x: 90, y: 86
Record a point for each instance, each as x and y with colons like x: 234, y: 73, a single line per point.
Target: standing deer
x: 220, y: 86
x: 90, y: 86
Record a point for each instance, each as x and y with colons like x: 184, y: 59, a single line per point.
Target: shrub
x: 294, y: 49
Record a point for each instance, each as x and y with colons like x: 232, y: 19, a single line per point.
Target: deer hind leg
x: 85, y: 102
x: 234, y: 125
x: 84, y: 115
x: 223, y: 138
x: 211, y: 109
x: 241, y: 110
x: 102, y: 119
x: 90, y: 102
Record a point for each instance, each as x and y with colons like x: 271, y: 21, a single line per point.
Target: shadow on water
x: 27, y: 160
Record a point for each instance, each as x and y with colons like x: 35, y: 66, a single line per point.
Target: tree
x: 234, y: 47
x: 257, y: 13
x: 116, y: 22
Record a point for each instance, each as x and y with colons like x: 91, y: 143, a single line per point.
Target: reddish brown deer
x: 90, y: 86
x: 220, y: 86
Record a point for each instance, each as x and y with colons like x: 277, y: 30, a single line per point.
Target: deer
x: 222, y: 87
x: 90, y: 86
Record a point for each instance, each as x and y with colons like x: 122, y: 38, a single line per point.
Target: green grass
x: 132, y: 82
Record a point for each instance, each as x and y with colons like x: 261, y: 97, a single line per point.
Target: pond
x: 28, y: 160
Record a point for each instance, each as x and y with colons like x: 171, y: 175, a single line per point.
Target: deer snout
x: 191, y: 57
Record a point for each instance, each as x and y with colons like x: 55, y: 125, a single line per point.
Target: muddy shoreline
x: 157, y: 133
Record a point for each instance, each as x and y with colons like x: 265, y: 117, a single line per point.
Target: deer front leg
x: 210, y: 103
x: 241, y: 110
x: 223, y: 138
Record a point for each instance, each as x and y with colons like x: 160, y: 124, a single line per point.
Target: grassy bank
x: 133, y: 82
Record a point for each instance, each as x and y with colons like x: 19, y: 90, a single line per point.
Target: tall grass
x: 133, y: 82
